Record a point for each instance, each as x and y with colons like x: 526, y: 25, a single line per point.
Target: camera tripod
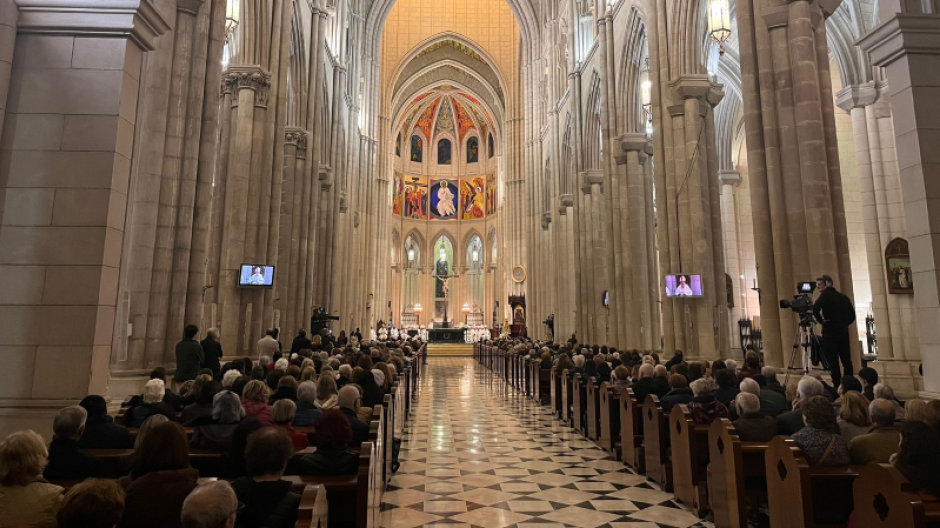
x: 805, y: 338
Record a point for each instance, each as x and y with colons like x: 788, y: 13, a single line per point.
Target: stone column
x: 65, y: 158
x: 296, y: 186
x: 793, y: 160
x: 730, y: 180
x: 906, y: 44
x: 8, y: 15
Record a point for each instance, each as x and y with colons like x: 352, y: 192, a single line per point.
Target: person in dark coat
x: 100, y: 430
x: 789, y: 423
x: 233, y: 460
x: 151, y: 402
x: 834, y: 311
x: 269, y: 501
x: 349, y: 401
x: 752, y: 426
x: 372, y: 394
x: 203, y: 404
x: 160, y: 479
x: 726, y: 391
x: 680, y: 393
x: 307, y: 414
x: 331, y: 458
x: 212, y: 352
x: 646, y: 384
x: 216, y: 431
x: 67, y: 460
x: 300, y: 342
x: 189, y: 356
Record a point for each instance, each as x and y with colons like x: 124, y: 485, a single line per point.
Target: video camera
x: 802, y: 302
x: 320, y: 319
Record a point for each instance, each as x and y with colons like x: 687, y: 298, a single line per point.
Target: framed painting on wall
x: 898, y: 267
x: 471, y: 199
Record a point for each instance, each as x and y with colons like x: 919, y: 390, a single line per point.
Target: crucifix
x: 445, y: 285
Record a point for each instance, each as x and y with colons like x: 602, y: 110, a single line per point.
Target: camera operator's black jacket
x: 836, y: 308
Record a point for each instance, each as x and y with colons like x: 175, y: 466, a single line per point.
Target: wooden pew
x: 544, y: 383
x: 885, y: 499
x: 631, y: 432
x: 313, y: 511
x: 578, y: 395
x: 656, y: 443
x: 592, y: 414
x: 609, y: 436
x: 555, y: 392
x: 348, y: 496
x: 689, y: 443
x: 736, y: 468
x: 804, y: 496
x: 566, y: 397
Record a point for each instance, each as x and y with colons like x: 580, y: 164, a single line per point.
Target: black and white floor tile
x: 475, y: 453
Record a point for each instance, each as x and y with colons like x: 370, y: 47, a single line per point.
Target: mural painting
x: 397, y: 194
x: 443, y: 199
x: 491, y: 193
x: 398, y: 145
x: 472, y: 206
x: 416, y: 197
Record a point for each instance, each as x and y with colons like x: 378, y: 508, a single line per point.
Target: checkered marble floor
x: 476, y: 453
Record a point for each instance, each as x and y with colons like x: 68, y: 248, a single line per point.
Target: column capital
x: 564, y: 202
x: 237, y: 77
x: 699, y: 86
x: 546, y: 219
x: 137, y: 20
x: 296, y: 137
x: 626, y: 143
x: 589, y: 178
x: 902, y: 35
x: 856, y: 96
x: 729, y: 177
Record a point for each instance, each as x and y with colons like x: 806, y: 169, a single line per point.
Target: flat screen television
x: 256, y: 276
x: 683, y: 285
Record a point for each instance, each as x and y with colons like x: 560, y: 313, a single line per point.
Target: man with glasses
x: 210, y: 505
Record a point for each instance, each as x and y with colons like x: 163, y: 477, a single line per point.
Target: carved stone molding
x: 253, y: 78
x: 546, y: 219
x: 137, y: 20
x: 564, y: 202
x: 190, y: 7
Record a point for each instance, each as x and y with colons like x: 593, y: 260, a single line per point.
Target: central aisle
x: 476, y: 453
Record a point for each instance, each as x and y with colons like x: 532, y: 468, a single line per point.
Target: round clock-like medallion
x: 518, y: 274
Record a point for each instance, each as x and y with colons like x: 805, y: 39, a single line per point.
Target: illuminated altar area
x: 445, y: 211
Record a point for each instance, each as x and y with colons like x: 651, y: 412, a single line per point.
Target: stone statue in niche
x: 441, y: 268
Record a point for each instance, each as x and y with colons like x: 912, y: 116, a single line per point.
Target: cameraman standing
x: 835, y: 313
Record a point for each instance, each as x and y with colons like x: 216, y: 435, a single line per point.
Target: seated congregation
x: 736, y: 445
x: 241, y: 444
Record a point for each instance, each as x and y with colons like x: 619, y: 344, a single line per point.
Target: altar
x: 447, y: 335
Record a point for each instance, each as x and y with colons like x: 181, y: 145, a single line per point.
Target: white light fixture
x: 411, y: 254
x: 476, y: 255
x: 443, y: 254
x: 719, y: 22
x: 232, y: 8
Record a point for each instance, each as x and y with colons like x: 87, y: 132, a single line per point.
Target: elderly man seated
x: 752, y: 426
x: 67, y: 460
x: 790, y: 422
x: 877, y: 446
x: 211, y: 505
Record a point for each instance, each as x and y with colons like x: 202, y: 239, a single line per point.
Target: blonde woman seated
x: 326, y: 392
x: 26, y: 500
x: 854, y: 419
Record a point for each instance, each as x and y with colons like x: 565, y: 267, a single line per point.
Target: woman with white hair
x: 151, y: 403
x: 216, y: 432
x: 307, y: 414
x: 25, y: 498
x: 886, y: 392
